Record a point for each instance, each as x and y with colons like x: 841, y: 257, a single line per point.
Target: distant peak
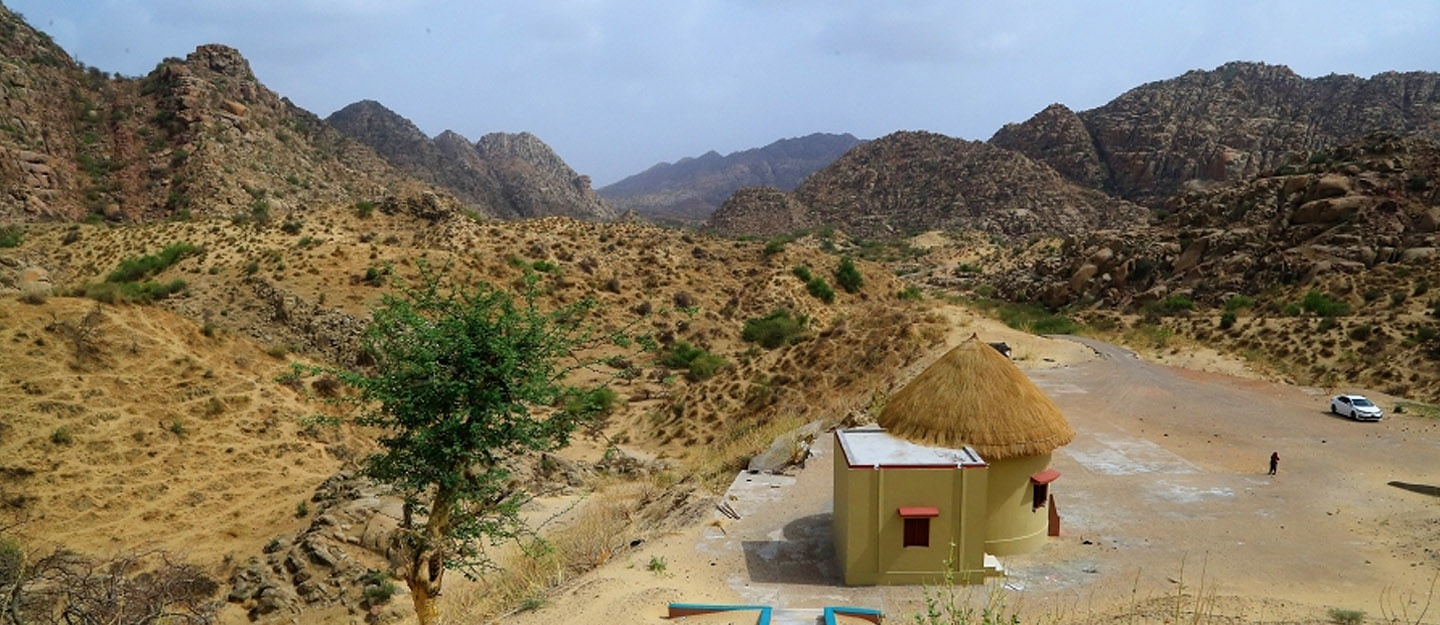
x: 451, y: 136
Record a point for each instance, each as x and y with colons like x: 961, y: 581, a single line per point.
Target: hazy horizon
x: 616, y: 88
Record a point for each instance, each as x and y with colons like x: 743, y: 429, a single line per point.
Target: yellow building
x: 958, y: 469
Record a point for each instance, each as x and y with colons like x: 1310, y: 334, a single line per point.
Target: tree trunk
x: 426, y: 609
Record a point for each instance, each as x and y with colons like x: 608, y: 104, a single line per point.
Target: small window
x: 917, y: 532
x: 1042, y: 492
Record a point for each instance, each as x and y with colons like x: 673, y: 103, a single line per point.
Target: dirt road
x: 1171, y: 464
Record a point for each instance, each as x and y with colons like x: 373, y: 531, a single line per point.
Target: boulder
x: 1328, y: 186
x: 790, y: 448
x: 1331, y: 210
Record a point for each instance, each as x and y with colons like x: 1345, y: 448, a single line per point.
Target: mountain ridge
x: 691, y: 188
x: 502, y: 175
x: 1220, y: 125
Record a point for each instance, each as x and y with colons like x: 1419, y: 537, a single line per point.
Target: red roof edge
x: 1045, y: 477
x: 911, y: 512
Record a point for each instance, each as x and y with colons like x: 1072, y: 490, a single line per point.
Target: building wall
x: 869, y: 531
x: 1013, y: 524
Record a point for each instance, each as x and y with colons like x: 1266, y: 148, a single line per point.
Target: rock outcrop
x: 908, y: 182
x: 1345, y: 210
x: 1227, y: 124
x: 689, y: 190
x: 760, y: 211
x: 196, y: 136
x: 502, y: 175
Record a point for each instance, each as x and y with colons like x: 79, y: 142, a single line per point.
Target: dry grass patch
x: 602, y: 526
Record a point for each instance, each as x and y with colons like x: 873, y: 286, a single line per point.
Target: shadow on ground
x: 1423, y: 489
x: 805, y: 556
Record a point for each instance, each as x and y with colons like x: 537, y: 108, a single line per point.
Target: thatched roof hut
x: 975, y: 396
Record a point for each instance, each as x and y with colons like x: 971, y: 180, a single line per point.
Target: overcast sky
x: 616, y: 86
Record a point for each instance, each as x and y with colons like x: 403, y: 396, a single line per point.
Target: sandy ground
x: 1168, y: 470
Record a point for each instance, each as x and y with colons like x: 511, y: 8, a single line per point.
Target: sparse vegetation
x: 700, y: 363
x: 11, y: 236
x: 133, y: 269
x: 1346, y: 617
x: 1322, y: 305
x: 818, y: 287
x: 1227, y: 320
x: 910, y: 292
x: 847, y: 276
x: 1239, y: 302
x: 775, y: 329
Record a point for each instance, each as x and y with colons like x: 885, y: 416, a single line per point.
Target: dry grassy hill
x: 176, y: 434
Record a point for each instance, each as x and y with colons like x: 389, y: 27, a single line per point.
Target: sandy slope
x: 143, y: 446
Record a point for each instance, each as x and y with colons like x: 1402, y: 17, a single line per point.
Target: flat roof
x: 874, y: 447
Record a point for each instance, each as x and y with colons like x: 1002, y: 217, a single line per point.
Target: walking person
x: 1274, y: 461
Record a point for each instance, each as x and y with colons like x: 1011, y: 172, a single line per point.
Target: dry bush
x: 601, y: 527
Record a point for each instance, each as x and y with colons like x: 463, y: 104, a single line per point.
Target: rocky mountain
x: 690, y: 189
x: 196, y: 136
x: 1349, y: 210
x: 907, y: 182
x: 1226, y: 124
x: 502, y: 175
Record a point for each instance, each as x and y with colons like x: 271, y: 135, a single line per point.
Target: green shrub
x: 1397, y: 298
x: 62, y: 436
x: 302, y: 510
x: 1320, y: 304
x: 1171, y: 305
x: 138, y: 292
x: 776, y: 245
x: 378, y: 587
x: 11, y: 236
x: 911, y: 292
x: 775, y: 329
x: 132, y: 269
x: 1054, y: 324
x: 847, y: 276
x: 596, y: 402
x: 1239, y: 302
x: 544, y: 266
x: 1361, y: 332
x: 1371, y: 295
x: 1227, y: 320
x: 12, y: 560
x: 364, y: 208
x: 700, y: 363
x: 1346, y: 617
x: 1422, y: 287
x: 802, y: 272
x: 820, y: 289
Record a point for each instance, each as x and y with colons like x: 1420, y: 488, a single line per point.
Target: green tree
x: 463, y: 377
x: 847, y: 276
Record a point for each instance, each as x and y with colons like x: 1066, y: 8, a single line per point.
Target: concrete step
x: 797, y: 616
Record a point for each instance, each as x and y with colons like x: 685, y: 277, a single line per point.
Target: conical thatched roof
x: 975, y: 396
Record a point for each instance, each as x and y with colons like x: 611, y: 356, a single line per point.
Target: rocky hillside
x: 690, y: 189
x: 909, y: 182
x: 1226, y: 124
x: 198, y: 136
x: 1331, y: 256
x: 502, y: 175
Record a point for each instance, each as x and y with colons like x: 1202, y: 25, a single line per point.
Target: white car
x: 1356, y: 407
